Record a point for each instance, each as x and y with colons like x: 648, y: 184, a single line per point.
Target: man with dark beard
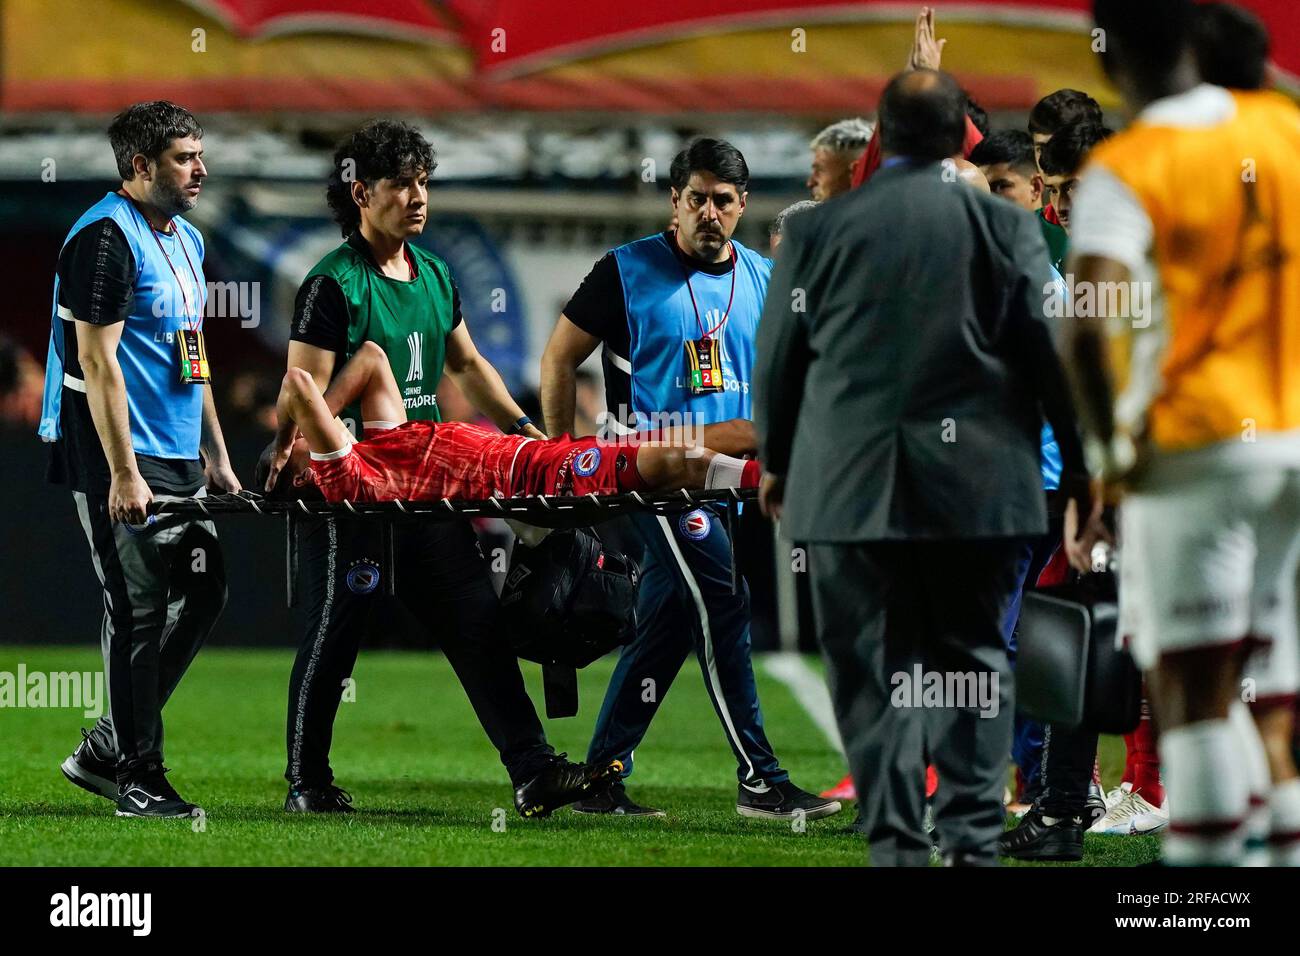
x: 129, y: 410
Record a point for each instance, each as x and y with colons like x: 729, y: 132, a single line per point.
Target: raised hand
x: 926, y: 50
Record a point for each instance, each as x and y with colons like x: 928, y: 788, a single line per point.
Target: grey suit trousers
x: 917, y: 668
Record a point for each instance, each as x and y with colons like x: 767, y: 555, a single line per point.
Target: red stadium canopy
x: 816, y: 57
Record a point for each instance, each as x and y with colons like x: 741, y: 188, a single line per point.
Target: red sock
x: 1129, y: 747
x: 1146, y: 760
x: 750, y: 474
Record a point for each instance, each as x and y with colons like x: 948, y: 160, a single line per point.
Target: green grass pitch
x: 427, y: 784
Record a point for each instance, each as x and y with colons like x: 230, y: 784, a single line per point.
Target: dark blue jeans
x: 686, y: 603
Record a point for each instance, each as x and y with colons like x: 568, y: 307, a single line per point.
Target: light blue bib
x: 661, y: 318
x: 166, y: 414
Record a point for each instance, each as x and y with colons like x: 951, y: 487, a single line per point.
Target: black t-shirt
x: 320, y: 310
x: 97, y: 275
x: 599, y: 310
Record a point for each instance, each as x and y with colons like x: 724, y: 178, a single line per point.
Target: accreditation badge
x: 194, y: 357
x: 703, y: 366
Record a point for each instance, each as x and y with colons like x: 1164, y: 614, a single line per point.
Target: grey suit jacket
x: 905, y: 365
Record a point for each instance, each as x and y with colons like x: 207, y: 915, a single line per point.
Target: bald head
x: 923, y: 116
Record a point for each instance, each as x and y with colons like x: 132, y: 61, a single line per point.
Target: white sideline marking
x: 809, y: 688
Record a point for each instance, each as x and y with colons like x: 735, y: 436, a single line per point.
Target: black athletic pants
x: 442, y: 577
x: 1068, y: 757
x: 164, y: 588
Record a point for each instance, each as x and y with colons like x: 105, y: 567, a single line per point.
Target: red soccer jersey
x: 423, y: 461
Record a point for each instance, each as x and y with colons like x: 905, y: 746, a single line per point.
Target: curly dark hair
x: 148, y: 129
x: 382, y: 149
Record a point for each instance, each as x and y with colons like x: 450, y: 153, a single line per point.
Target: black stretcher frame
x: 547, y: 511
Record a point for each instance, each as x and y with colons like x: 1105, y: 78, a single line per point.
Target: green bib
x: 410, y: 321
x: 1057, y: 239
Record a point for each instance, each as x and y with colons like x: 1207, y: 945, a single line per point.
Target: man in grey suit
x: 904, y: 370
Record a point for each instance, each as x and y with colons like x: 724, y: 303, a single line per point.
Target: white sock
x: 1284, y: 823
x: 531, y: 536
x: 1209, y: 796
x: 1258, y: 779
x: 724, y: 472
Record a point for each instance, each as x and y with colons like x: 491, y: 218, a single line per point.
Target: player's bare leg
x: 664, y: 467
x: 302, y: 408
x: 368, y: 377
x: 1276, y: 722
x: 1276, y: 725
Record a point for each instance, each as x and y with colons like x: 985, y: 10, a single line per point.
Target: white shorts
x: 1210, y: 561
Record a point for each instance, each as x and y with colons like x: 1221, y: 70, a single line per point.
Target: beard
x: 170, y: 199
x: 708, y: 243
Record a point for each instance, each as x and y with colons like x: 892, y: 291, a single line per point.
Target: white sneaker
x: 1132, y: 816
x: 1118, y: 794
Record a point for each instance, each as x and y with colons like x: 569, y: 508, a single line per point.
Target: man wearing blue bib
x: 128, y: 409
x: 677, y: 313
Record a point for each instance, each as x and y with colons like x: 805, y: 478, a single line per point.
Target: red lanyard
x: 730, y: 298
x: 194, y: 317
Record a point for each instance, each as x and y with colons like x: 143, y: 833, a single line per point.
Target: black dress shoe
x: 327, y: 799
x: 1036, y: 839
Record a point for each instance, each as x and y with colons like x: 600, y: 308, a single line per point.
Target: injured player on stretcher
x: 314, y: 453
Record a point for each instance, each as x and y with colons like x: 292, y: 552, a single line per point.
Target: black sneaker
x: 146, y: 793
x: 90, y: 770
x: 614, y: 801
x: 562, y: 783
x: 782, y: 801
x: 1035, y: 839
x: 326, y: 799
